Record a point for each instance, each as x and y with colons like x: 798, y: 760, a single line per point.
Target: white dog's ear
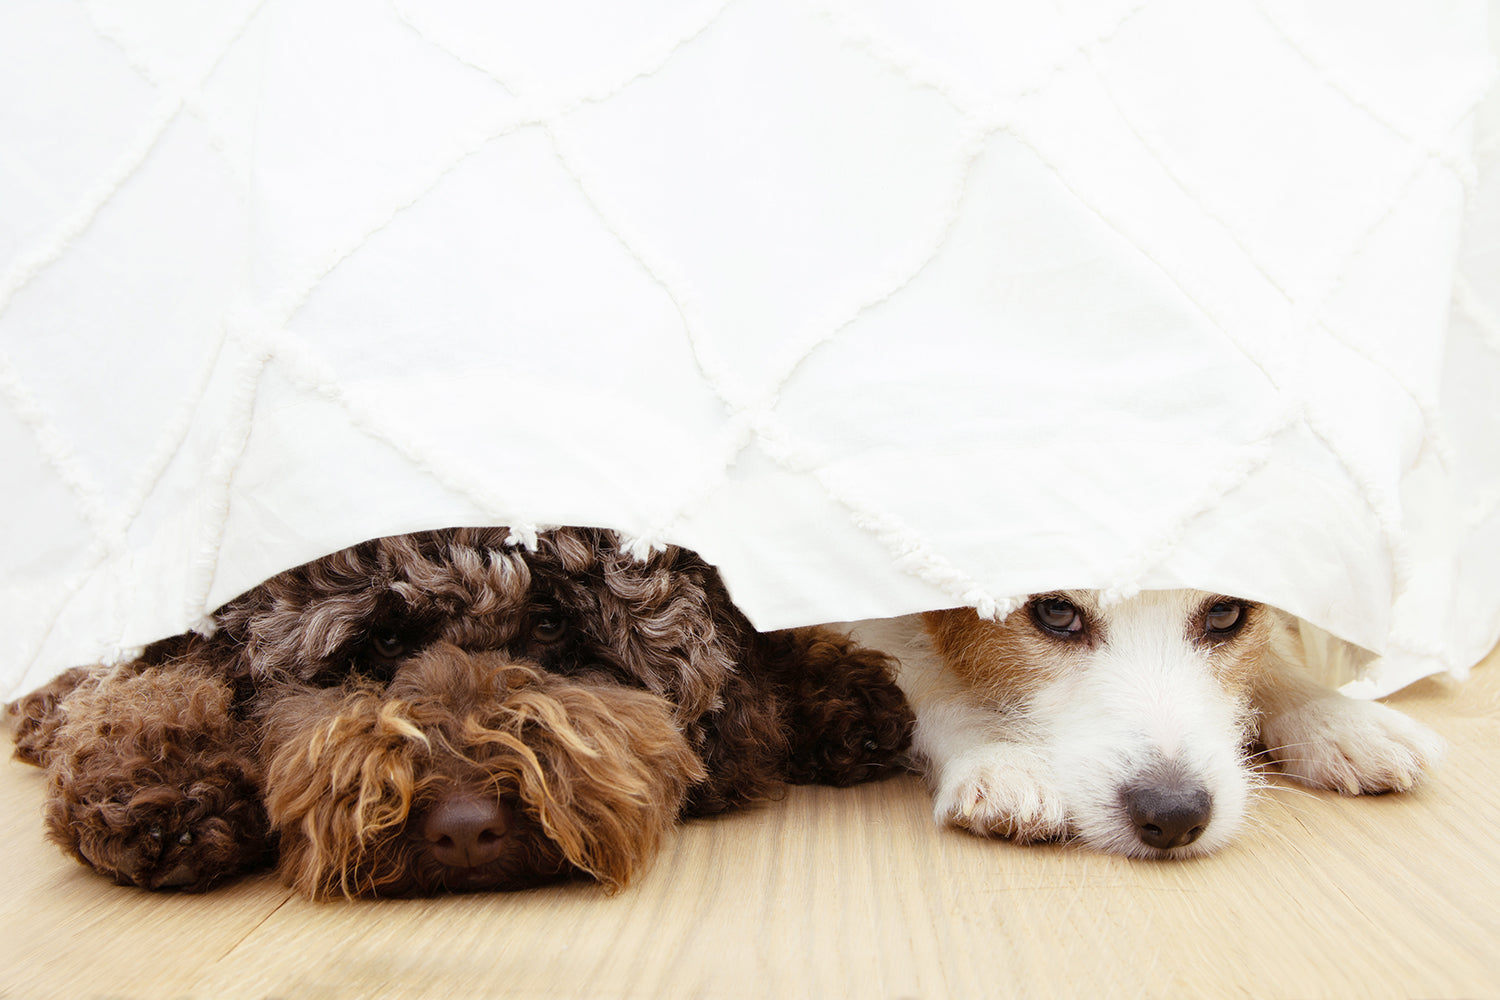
x: 1329, y: 660
x: 1282, y: 652
x: 1307, y: 651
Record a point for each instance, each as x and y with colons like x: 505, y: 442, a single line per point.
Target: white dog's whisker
x: 1295, y: 788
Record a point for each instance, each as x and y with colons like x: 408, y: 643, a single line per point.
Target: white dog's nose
x: 1165, y: 818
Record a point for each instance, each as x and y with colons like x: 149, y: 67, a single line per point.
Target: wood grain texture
x: 844, y: 893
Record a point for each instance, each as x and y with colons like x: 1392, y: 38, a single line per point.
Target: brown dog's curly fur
x: 151, y: 780
x: 450, y: 711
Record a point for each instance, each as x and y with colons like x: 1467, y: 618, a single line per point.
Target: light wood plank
x: 846, y: 893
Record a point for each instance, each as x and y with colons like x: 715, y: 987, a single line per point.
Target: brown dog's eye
x: 1223, y: 617
x: 547, y: 629
x: 1057, y: 616
x: 389, y: 646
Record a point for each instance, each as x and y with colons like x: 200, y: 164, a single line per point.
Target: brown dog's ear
x: 605, y: 773
x: 673, y: 626
x: 340, y: 774
x: 309, y: 622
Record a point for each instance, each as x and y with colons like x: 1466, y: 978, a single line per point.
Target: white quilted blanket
x: 879, y: 305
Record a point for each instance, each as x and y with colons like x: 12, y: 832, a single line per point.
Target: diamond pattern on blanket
x: 880, y: 308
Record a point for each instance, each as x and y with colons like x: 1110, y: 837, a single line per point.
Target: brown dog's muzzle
x: 471, y: 771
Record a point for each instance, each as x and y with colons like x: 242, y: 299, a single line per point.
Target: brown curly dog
x: 450, y: 711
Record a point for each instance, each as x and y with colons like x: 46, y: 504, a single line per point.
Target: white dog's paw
x: 1000, y: 789
x: 1351, y: 746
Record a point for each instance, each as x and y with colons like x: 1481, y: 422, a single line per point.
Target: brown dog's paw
x: 164, y: 836
x: 153, y: 781
x: 848, y: 721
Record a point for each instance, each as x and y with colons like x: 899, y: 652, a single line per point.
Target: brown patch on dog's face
x: 1011, y: 659
x: 586, y: 776
x: 1234, y: 634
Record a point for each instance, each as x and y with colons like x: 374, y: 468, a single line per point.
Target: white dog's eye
x: 1223, y: 617
x: 1057, y: 616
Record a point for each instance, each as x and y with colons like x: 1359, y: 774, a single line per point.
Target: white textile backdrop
x: 880, y: 306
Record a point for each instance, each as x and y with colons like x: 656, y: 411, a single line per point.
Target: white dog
x: 1132, y: 725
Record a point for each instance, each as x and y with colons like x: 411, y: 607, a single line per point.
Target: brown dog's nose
x: 466, y: 831
x: 1168, y: 817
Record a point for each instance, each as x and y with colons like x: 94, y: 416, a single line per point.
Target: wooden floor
x: 844, y: 893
